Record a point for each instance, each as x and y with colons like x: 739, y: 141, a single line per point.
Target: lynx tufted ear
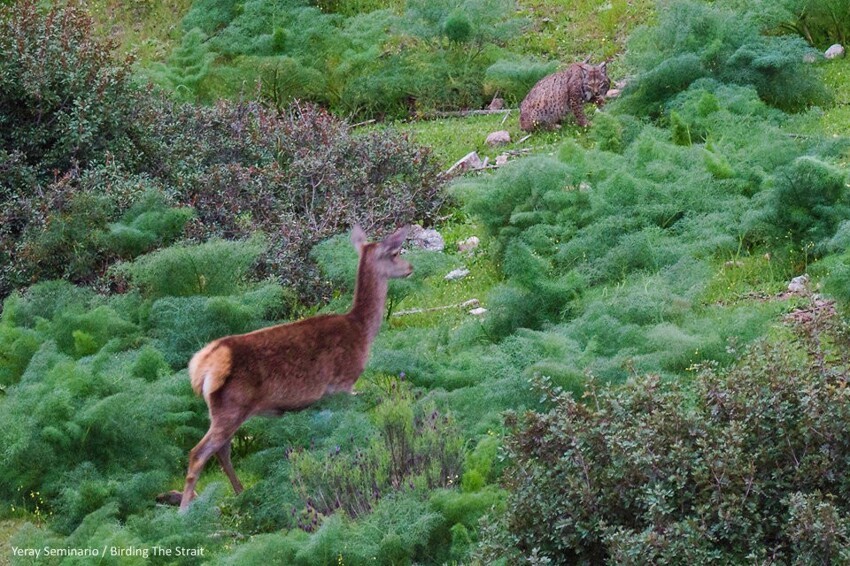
x: 604, y: 67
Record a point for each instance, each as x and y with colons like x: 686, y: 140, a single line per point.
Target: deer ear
x: 394, y: 241
x: 358, y: 237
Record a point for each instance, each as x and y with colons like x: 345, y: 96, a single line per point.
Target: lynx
x: 556, y: 95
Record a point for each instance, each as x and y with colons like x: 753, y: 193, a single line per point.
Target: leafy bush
x: 64, y: 99
x: 300, y: 177
x: 716, y: 469
x: 71, y: 207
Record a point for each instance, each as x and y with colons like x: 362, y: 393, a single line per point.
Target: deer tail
x: 209, y: 369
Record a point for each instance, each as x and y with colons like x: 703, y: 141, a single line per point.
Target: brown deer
x: 290, y: 366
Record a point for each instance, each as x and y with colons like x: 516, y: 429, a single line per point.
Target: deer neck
x: 370, y: 296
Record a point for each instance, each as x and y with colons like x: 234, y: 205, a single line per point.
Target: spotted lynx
x: 558, y: 94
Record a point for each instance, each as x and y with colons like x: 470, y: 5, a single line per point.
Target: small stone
x: 799, y: 284
x: 496, y: 104
x: 498, y: 138
x: 469, y: 162
x: 470, y: 244
x: 427, y: 239
x: 456, y: 274
x: 480, y: 311
x: 501, y: 159
x: 834, y: 51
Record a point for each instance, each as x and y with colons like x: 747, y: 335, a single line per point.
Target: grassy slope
x: 148, y: 29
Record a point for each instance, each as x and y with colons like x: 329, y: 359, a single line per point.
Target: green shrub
x: 183, y: 325
x: 215, y: 268
x: 415, y: 447
x: 512, y: 79
x: 187, y: 66
x: 819, y: 22
x: 716, y: 468
x: 807, y: 200
x: 693, y: 40
x: 390, y: 60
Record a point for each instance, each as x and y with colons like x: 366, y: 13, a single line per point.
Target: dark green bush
x: 820, y: 22
x: 300, y: 177
x: 217, y: 267
x: 807, y: 200
x: 714, y: 469
x: 694, y: 40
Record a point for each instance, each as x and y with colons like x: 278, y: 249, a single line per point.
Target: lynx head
x: 595, y: 82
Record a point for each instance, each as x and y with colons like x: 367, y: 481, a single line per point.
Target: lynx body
x: 559, y: 94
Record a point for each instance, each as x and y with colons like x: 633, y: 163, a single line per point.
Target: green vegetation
x: 721, y: 468
x: 642, y: 384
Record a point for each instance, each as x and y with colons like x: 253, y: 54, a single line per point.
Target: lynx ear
x: 603, y: 67
x: 358, y: 237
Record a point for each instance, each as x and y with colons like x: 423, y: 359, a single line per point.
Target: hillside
x: 641, y: 386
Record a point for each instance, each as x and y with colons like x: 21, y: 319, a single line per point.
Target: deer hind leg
x: 223, y: 456
x: 215, y: 441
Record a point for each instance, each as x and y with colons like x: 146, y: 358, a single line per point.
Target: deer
x: 288, y: 367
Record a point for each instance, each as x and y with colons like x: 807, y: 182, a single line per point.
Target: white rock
x: 799, y: 284
x: 456, y: 274
x: 498, y: 138
x: 480, y: 311
x: 468, y: 245
x: 426, y: 239
x: 469, y: 162
x: 834, y: 51
x: 501, y: 159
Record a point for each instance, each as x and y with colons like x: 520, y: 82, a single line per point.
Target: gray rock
x: 834, y: 51
x: 456, y: 274
x: 799, y: 285
x: 468, y: 162
x: 426, y: 239
x: 480, y: 311
x: 498, y: 138
x: 468, y: 245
